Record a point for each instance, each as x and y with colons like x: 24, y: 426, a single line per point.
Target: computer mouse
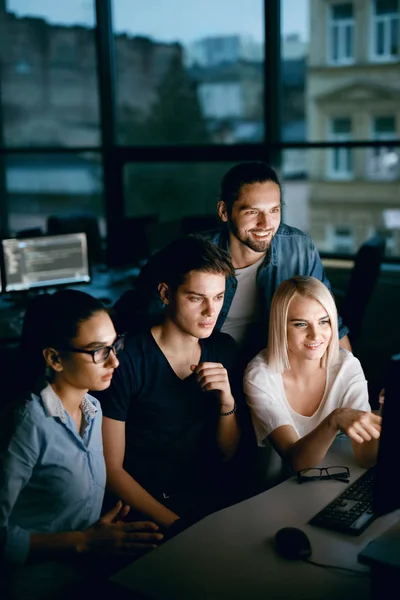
x: 292, y: 543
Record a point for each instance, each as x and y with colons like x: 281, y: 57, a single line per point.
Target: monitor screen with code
x: 45, y: 261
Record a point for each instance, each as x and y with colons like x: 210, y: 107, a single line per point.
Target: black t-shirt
x: 171, y: 423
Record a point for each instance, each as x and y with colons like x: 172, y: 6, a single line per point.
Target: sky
x: 172, y: 20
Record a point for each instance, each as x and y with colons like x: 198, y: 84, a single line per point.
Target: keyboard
x: 351, y: 512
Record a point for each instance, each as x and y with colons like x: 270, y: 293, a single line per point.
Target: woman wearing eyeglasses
x: 303, y: 389
x: 52, y: 472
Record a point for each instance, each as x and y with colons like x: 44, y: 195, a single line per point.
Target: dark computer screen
x: 387, y: 489
x: 45, y: 261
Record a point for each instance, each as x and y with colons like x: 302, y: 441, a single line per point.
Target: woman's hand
x: 213, y: 377
x: 359, y: 425
x: 112, y: 536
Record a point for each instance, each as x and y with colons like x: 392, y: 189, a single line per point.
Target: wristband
x: 230, y: 412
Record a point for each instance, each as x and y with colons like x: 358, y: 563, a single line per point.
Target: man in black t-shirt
x: 170, y: 419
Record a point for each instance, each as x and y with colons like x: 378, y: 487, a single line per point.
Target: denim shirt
x: 292, y: 253
x: 51, y: 478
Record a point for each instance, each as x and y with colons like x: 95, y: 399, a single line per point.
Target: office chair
x: 84, y: 222
x: 128, y: 241
x: 363, y: 279
x: 199, y: 223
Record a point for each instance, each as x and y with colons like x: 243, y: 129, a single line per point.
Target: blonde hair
x: 306, y: 287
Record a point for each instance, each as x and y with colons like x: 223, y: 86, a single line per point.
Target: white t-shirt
x: 346, y: 387
x: 244, y: 310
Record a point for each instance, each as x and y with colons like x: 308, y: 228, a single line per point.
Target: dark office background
x: 124, y: 114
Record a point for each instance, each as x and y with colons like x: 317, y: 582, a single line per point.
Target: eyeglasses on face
x: 339, y: 473
x: 101, y: 354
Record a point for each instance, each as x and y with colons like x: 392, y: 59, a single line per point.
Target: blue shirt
x: 292, y: 253
x: 51, y: 478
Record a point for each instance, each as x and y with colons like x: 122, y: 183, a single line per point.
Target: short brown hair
x: 191, y: 253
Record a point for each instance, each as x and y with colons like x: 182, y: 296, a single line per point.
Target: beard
x: 254, y: 244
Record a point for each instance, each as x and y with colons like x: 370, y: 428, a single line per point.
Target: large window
x: 48, y: 80
x: 183, y: 98
x: 340, y: 164
x: 189, y: 72
x: 295, y: 49
x: 49, y: 100
x: 385, y: 27
x: 341, y: 34
x: 340, y: 215
x: 41, y: 186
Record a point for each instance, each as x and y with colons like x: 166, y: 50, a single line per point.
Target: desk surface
x: 230, y: 554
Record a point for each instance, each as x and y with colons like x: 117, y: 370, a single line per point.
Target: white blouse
x: 346, y: 387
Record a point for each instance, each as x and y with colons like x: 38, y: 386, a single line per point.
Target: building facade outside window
x: 340, y: 239
x: 385, y: 29
x: 341, y: 34
x: 340, y: 161
x: 383, y: 163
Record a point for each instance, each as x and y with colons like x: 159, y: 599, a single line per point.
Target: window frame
x: 333, y: 237
x: 342, y: 151
x: 386, y: 20
x: 341, y: 25
x: 270, y: 149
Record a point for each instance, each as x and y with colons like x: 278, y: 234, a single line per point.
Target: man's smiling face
x: 256, y: 215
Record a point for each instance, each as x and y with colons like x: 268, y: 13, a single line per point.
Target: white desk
x: 230, y: 554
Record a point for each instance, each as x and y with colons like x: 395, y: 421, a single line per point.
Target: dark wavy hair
x: 189, y: 253
x: 243, y: 174
x: 51, y: 321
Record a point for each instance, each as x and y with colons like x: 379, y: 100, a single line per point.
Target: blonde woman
x: 303, y: 389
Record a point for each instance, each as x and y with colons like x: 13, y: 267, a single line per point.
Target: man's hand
x: 359, y: 425
x: 213, y: 377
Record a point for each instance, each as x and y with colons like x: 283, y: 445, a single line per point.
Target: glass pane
x: 336, y: 159
x: 49, y: 80
x: 294, y: 54
x: 189, y: 72
x: 52, y: 193
x: 348, y: 41
x: 341, y: 126
x: 314, y: 88
x: 383, y: 164
x: 335, y: 43
x: 166, y: 200
x: 380, y: 38
x: 340, y: 215
x: 394, y: 37
x: 348, y: 160
x: 386, y: 7
x: 342, y: 11
x: 385, y: 125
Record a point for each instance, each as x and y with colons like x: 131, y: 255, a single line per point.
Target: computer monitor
x: 386, y: 497
x: 45, y: 261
